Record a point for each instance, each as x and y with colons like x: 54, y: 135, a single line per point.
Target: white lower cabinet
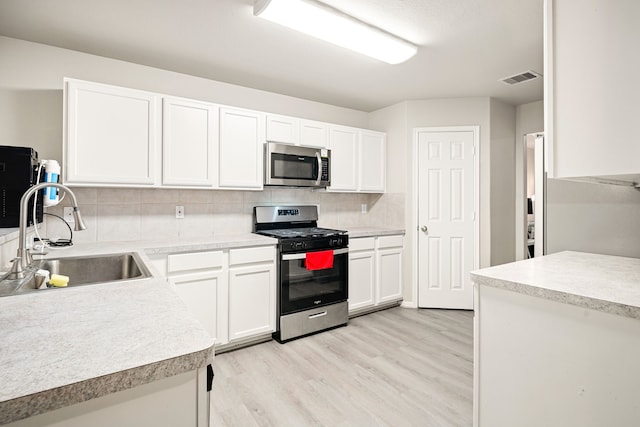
x: 375, y: 272
x: 232, y: 292
x: 389, y: 268
x: 201, y: 281
x: 362, y: 273
x: 252, y: 292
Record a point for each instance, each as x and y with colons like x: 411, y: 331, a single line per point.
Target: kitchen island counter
x: 557, y: 341
x: 601, y: 282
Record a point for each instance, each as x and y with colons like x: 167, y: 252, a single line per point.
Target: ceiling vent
x: 520, y: 78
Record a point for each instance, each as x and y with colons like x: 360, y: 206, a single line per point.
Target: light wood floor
x: 397, y: 367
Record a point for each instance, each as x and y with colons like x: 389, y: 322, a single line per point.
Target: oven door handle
x: 289, y: 257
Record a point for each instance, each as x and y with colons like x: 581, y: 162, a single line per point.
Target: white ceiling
x: 465, y: 46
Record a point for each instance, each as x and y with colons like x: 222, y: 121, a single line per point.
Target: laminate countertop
x: 601, y: 282
x: 356, y: 232
x: 64, y: 346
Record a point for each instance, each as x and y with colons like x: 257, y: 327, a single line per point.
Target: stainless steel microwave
x: 296, y: 166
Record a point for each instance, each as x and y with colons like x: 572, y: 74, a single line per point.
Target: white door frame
x: 414, y: 227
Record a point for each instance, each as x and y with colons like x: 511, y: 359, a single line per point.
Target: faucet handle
x: 40, y: 253
x: 16, y: 271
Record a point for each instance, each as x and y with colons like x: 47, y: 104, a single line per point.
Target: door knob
x: 424, y: 228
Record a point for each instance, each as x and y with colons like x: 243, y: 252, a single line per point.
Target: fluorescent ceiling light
x: 326, y: 23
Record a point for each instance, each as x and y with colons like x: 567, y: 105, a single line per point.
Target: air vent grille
x: 520, y: 78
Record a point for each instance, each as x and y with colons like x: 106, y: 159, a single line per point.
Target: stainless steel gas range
x: 313, y: 271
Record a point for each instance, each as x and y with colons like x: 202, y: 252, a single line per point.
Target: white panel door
x: 189, y: 139
x: 446, y: 219
x: 241, y: 140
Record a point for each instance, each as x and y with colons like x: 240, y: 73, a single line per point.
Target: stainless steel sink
x: 87, y: 270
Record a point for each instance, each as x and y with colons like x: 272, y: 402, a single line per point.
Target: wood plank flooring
x: 397, y: 367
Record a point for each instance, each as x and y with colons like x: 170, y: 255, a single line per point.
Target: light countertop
x: 356, y: 232
x: 601, y: 282
x: 61, y: 347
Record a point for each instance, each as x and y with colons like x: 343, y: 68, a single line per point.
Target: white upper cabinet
x: 373, y: 161
x: 343, y: 142
x: 591, y: 94
x: 241, y: 148
x: 283, y: 129
x: 358, y: 160
x: 112, y: 135
x: 120, y: 137
x: 314, y: 134
x: 189, y: 143
x: 291, y: 130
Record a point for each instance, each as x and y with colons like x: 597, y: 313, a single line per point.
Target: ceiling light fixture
x: 321, y: 21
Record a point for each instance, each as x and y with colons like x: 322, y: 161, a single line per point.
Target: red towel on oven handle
x: 319, y: 260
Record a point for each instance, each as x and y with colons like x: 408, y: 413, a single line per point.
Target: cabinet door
x: 240, y: 153
x: 251, y: 300
x: 343, y: 142
x: 372, y: 161
x: 361, y: 279
x: 314, y: 134
x: 189, y: 143
x: 592, y: 110
x: 283, y: 129
x: 205, y: 295
x: 112, y: 135
x: 389, y: 264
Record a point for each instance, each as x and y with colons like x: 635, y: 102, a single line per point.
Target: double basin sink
x: 82, y: 270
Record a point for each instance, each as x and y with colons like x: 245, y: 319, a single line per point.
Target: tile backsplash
x: 113, y: 214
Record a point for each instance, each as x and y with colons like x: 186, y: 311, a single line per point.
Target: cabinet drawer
x: 390, y: 242
x: 361, y: 243
x: 195, y: 261
x: 251, y: 255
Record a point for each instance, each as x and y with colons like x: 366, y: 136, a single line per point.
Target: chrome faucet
x: 23, y: 259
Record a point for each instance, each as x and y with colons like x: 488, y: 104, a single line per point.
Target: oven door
x: 301, y: 289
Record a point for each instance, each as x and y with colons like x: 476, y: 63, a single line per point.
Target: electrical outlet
x: 363, y: 208
x: 68, y: 214
x: 179, y: 212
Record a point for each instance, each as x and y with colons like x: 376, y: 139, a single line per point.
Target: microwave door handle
x: 319, y: 168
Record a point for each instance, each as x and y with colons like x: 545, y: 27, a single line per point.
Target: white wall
x: 590, y: 217
x: 502, y: 168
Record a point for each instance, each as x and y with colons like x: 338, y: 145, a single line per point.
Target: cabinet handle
x: 424, y: 228
x: 313, y: 316
x: 210, y: 376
